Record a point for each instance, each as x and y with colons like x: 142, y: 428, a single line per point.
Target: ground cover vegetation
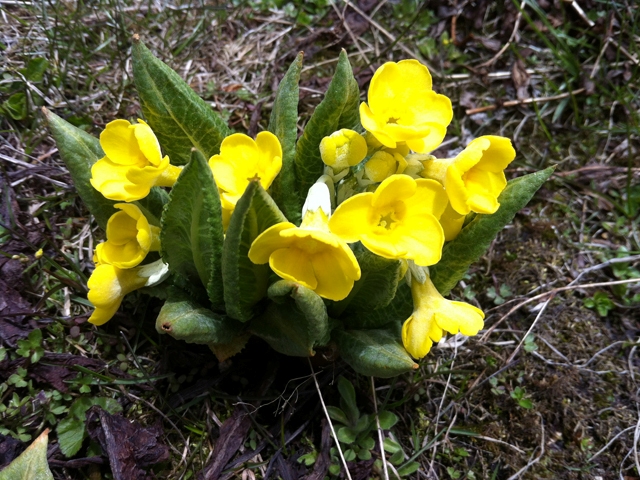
x: 549, y: 389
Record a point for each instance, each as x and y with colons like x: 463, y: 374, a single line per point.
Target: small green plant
x: 354, y: 433
x: 397, y: 459
x: 600, y: 302
x: 31, y: 347
x: 520, y: 396
x: 501, y: 295
x: 530, y: 343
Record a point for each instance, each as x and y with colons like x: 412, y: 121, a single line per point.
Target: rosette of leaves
x: 215, y: 295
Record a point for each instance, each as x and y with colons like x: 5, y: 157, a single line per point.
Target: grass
x: 548, y: 391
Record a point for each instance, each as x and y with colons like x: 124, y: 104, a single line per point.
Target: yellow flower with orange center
x: 398, y: 221
x: 240, y: 159
x: 403, y: 108
x: 310, y: 254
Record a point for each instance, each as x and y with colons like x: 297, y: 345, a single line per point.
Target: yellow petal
x: 455, y: 317
x: 269, y: 241
x: 393, y: 189
x: 294, y: 264
x: 497, y: 155
x: 333, y: 282
x: 147, y: 143
x: 352, y: 217
x: 119, y: 143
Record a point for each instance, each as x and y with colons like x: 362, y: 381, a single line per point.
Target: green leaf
x: 184, y: 319
x: 475, y: 238
x: 325, y: 120
x: 398, y: 310
x: 245, y: 283
x: 367, y: 443
x: 348, y: 401
x: 191, y: 236
x: 31, y: 464
x: 294, y: 322
x: 391, y: 446
x: 337, y: 415
x: 71, y: 430
x: 350, y: 117
x: 387, y: 419
x: 408, y: 469
x: 34, y: 71
x: 346, y: 435
x: 284, y: 125
x: 377, y: 353
x: 377, y: 285
x: 16, y: 106
x: 71, y: 433
x: 80, y: 151
x: 178, y: 116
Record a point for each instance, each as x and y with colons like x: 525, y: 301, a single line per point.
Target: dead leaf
x: 32, y: 463
x: 129, y: 446
x: 521, y: 79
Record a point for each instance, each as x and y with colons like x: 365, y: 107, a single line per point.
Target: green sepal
x: 399, y: 309
x: 295, y: 321
x: 284, y: 125
x: 476, y: 237
x: 32, y: 463
x: 377, y: 353
x: 180, y: 119
x: 191, y: 234
x: 377, y: 285
x: 245, y: 283
x: 80, y: 151
x: 183, y: 318
x: 336, y: 106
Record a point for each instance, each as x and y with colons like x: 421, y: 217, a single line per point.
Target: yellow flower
x: 343, y: 149
x: 109, y: 284
x: 129, y: 238
x: 432, y: 314
x: 310, y: 254
x: 403, y: 108
x: 475, y: 178
x: 451, y: 222
x: 240, y: 159
x: 398, y: 221
x: 133, y: 162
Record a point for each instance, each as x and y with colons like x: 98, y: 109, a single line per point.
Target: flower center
x: 388, y: 220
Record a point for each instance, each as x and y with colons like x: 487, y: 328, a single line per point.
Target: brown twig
x: 516, y: 26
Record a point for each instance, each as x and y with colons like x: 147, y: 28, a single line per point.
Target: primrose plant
x: 351, y: 234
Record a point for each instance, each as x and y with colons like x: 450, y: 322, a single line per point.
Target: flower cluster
x: 381, y: 187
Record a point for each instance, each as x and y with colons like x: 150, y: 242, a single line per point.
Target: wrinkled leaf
x: 191, y: 236
x: 245, y: 283
x: 377, y: 353
x: 32, y: 463
x: 178, y: 116
x: 325, y: 120
x: 284, y: 125
x: 80, y: 151
x: 398, y: 310
x: 476, y: 237
x: 184, y: 319
x: 295, y: 322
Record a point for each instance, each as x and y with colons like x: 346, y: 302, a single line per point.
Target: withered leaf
x: 129, y: 446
